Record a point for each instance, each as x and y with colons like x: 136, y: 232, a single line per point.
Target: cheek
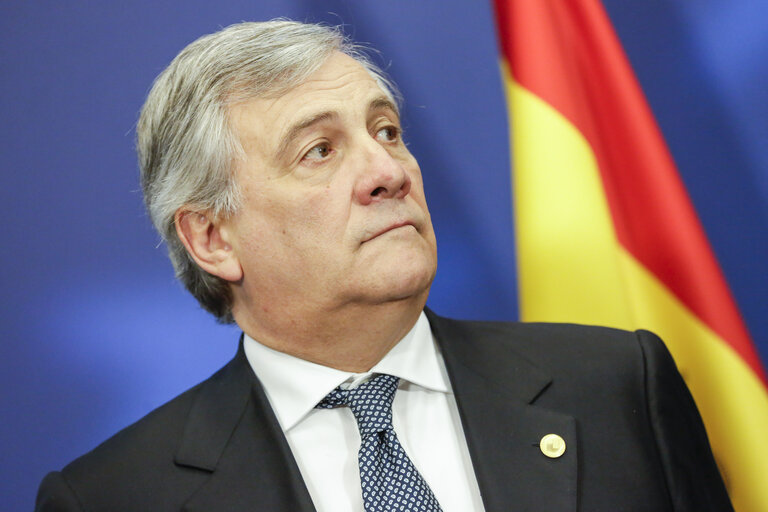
x: 417, y: 189
x: 313, y: 218
x: 291, y: 220
x: 411, y: 166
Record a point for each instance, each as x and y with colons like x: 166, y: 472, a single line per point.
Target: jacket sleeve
x: 692, y: 476
x: 55, y: 495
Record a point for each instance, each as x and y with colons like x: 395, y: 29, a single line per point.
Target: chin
x: 402, y: 281
x: 394, y: 270
x: 413, y: 286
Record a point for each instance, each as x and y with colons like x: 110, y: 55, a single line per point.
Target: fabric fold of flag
x: 606, y: 233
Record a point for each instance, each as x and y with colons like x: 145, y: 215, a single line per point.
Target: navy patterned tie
x: 389, y: 479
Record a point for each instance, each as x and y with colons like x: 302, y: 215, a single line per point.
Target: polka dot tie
x: 389, y: 479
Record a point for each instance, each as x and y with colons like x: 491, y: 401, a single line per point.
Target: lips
x: 389, y: 228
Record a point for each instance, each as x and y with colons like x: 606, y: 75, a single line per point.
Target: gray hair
x: 185, y: 143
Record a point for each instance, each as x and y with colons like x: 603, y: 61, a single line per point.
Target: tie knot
x: 370, y: 402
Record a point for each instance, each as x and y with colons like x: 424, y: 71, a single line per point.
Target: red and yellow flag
x: 606, y: 233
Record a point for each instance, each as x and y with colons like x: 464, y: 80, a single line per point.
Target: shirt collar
x: 294, y: 386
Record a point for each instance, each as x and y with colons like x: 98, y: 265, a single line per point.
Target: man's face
x: 333, y: 202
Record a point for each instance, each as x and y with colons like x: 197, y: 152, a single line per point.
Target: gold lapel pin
x: 552, y: 445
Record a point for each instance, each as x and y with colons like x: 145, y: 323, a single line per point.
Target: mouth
x: 391, y: 227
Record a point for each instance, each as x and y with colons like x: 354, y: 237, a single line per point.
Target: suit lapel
x: 495, y: 390
x: 232, y: 433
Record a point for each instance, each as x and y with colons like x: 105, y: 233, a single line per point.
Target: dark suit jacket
x: 634, y: 440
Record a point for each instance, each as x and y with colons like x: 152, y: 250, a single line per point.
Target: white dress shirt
x: 325, y: 442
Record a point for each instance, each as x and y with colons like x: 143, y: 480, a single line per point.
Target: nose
x: 381, y: 177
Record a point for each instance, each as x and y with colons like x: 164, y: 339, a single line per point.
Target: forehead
x: 340, y: 74
x: 341, y: 85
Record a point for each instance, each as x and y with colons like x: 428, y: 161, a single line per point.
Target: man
x: 273, y: 165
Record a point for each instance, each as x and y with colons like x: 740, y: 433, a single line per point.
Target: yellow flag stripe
x: 572, y: 268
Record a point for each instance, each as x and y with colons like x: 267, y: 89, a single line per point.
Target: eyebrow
x: 295, y: 130
x: 383, y: 103
x: 378, y: 103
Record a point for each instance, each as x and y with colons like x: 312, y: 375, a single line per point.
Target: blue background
x: 96, y: 332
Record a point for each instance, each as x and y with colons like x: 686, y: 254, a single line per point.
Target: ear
x: 207, y: 243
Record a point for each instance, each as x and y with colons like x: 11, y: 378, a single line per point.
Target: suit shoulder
x: 153, y: 437
x: 543, y: 338
x: 125, y: 472
x: 571, y: 352
x: 142, y: 467
x: 156, y: 436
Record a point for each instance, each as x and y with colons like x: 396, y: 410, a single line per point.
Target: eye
x: 388, y: 134
x: 318, y: 153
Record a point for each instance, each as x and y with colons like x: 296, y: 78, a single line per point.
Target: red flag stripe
x: 596, y: 90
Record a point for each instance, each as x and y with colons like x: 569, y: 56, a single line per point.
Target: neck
x: 351, y: 338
